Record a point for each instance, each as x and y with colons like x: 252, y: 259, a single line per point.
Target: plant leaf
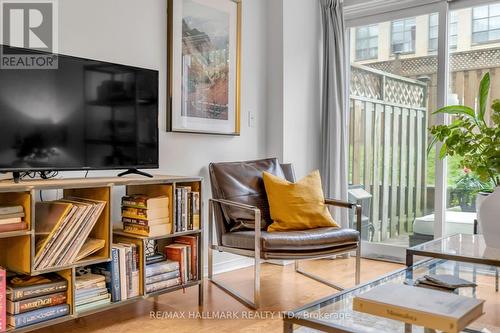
x: 443, y: 151
x: 431, y: 145
x: 457, y: 110
x: 484, y: 89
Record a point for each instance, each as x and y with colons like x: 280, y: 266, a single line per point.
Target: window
x: 433, y: 32
x: 403, y: 36
x: 486, y: 24
x: 453, y: 31
x: 367, y: 42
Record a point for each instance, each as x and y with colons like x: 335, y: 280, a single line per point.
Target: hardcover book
x: 144, y: 201
x: 111, y: 271
x: 13, y: 227
x: 153, y: 259
x: 11, y: 209
x: 162, y: 277
x: 149, y: 222
x: 10, y: 220
x: 37, y: 316
x: 24, y: 286
x: 148, y: 231
x: 420, y: 306
x: 150, y: 288
x: 192, y: 242
x: 35, y: 303
x: 179, y: 253
x: 145, y: 214
x: 161, y: 268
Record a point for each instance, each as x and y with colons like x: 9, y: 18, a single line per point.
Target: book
x: 90, y: 306
x: 153, y: 259
x: 122, y: 270
x: 195, y: 210
x: 35, y: 303
x: 24, y: 286
x: 13, y: 227
x: 144, y: 201
x: 93, y: 292
x: 145, y: 214
x: 90, y: 280
x: 11, y: 216
x: 3, y: 297
x: 37, y: 316
x: 192, y: 242
x: 178, y: 252
x: 150, y: 288
x: 161, y: 268
x: 91, y: 246
x: 111, y: 271
x: 150, y: 222
x: 162, y: 277
x: 448, y: 281
x: 11, y: 209
x: 420, y: 306
x: 10, y: 220
x: 148, y: 231
x: 93, y: 299
x: 178, y: 209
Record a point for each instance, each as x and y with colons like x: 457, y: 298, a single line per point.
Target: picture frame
x: 204, y: 66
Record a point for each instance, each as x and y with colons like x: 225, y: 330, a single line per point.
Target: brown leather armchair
x: 239, y: 211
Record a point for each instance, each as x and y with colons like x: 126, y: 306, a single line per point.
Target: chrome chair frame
x: 256, y: 253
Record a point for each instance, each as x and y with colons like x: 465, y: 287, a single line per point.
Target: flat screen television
x: 84, y: 115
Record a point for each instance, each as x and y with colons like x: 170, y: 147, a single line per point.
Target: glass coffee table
x: 459, y: 247
x: 335, y: 314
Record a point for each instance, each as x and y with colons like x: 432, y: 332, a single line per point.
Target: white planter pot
x: 489, y: 218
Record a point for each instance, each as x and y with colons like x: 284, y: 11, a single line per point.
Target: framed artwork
x: 204, y: 46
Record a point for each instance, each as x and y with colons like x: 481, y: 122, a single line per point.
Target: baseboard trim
x: 230, y: 265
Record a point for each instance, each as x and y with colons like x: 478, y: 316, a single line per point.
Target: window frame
x: 489, y: 41
x: 414, y: 37
x: 357, y: 39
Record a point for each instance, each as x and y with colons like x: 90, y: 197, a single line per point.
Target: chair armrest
x: 256, y: 211
x: 348, y: 205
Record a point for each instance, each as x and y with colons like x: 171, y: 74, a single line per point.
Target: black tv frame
x: 131, y: 169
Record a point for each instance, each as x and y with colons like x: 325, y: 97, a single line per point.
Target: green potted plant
x: 466, y: 189
x: 478, y: 144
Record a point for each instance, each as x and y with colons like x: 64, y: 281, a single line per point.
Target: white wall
x: 294, y: 83
x: 133, y: 32
x: 301, y: 85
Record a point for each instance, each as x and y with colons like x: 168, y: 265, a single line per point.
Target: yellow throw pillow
x: 297, y: 206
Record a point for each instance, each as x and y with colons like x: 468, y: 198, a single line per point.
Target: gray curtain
x: 334, y: 106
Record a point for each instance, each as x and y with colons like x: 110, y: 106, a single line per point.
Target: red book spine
x: 3, y: 305
x: 12, y: 227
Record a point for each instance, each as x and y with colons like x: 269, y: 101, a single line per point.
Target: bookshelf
x: 17, y: 249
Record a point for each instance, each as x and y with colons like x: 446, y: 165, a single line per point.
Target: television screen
x: 86, y: 114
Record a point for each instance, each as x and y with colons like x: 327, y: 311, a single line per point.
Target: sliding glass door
x: 405, y: 65
x: 392, y: 95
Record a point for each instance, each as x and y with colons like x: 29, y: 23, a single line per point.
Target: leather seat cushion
x: 304, y: 240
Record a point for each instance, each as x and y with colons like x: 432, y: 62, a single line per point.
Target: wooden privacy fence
x: 388, y: 141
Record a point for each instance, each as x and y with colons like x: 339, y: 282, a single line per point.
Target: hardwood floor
x: 281, y: 289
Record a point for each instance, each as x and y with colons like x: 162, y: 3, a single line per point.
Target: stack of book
x: 443, y: 282
x: 125, y: 264
x: 187, y: 205
x: 161, y: 275
x: 90, y: 292
x: 34, y: 299
x: 184, y: 250
x: 62, y: 231
x: 146, y: 216
x: 12, y: 218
